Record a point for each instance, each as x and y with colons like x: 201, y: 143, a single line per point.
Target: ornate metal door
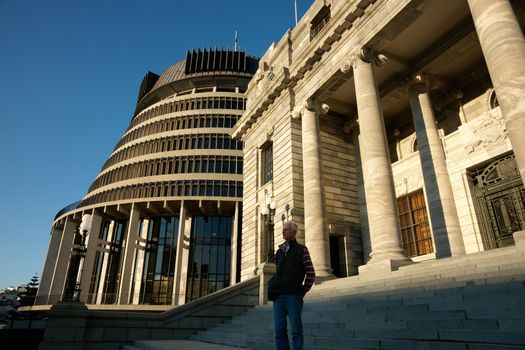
x: 500, y: 198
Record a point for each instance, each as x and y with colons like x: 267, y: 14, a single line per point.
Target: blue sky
x: 69, y: 76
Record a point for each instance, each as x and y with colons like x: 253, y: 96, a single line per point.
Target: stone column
x: 185, y: 242
x: 89, y: 259
x: 138, y: 269
x: 440, y: 197
x: 353, y: 129
x: 64, y: 252
x: 234, y: 240
x: 383, y: 218
x: 126, y: 274
x: 503, y: 46
x: 316, y: 229
x: 49, y: 267
x: 179, y: 256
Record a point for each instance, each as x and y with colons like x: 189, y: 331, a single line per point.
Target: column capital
x: 418, y: 82
x: 351, y: 125
x: 310, y: 105
x: 362, y: 54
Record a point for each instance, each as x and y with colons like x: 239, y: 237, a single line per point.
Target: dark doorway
x: 335, y: 256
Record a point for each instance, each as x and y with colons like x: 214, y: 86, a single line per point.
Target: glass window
x: 415, y: 229
x: 209, y: 257
x: 195, y: 190
x: 197, y: 165
x: 209, y: 188
x: 267, y: 164
x: 187, y: 187
x: 224, y: 189
x: 154, y: 281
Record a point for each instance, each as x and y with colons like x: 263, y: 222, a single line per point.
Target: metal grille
x: 500, y: 202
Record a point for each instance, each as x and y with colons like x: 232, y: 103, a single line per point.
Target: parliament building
x: 166, y: 206
x: 390, y: 131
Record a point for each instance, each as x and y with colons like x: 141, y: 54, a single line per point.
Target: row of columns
x: 54, y: 275
x: 503, y: 46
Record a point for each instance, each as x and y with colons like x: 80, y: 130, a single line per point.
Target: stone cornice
x: 304, y: 57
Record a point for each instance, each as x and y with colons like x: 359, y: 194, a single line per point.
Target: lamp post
x: 268, y: 212
x: 78, y: 253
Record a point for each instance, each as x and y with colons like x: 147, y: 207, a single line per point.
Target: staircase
x: 472, y: 302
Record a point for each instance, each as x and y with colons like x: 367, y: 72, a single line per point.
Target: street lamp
x: 268, y: 212
x: 78, y: 253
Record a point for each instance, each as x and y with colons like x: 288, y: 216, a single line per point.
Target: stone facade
x: 366, y: 102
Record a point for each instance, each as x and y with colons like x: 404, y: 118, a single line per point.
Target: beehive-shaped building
x: 166, y: 205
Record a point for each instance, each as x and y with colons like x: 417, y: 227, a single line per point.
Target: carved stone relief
x: 484, y: 132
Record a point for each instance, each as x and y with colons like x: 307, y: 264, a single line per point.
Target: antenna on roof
x: 235, y: 42
x: 295, y: 7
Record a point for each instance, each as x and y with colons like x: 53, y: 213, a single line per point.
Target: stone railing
x: 72, y: 324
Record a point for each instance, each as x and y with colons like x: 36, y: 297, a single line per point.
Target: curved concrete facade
x: 167, y: 202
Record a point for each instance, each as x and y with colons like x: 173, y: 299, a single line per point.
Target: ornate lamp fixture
x: 76, y: 262
x: 268, y: 212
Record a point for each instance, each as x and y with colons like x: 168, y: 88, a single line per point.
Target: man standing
x: 294, y: 277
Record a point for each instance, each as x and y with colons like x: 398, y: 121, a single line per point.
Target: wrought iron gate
x: 500, y: 198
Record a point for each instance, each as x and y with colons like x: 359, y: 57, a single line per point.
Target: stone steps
x: 175, y: 344
x: 470, y: 302
x: 474, y: 302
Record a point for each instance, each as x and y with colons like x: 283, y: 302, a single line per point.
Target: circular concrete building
x: 166, y: 205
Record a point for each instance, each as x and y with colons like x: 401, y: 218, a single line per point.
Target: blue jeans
x: 290, y: 305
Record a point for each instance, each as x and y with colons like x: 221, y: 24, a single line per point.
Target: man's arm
x: 310, y: 272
